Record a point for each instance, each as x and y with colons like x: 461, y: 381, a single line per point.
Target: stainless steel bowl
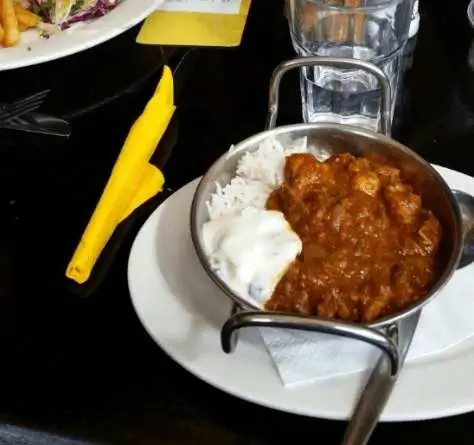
x: 392, y: 334
x: 331, y: 139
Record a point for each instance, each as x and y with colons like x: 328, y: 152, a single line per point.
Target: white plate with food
x: 37, y: 31
x: 183, y: 311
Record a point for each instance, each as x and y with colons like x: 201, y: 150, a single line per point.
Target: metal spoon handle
x: 379, y: 386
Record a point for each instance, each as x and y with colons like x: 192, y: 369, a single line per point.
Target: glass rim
x: 470, y: 13
x: 382, y: 5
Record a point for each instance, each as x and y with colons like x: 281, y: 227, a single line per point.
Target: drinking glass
x: 375, y: 31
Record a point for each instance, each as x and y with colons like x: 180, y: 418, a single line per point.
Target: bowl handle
x: 394, y: 346
x: 300, y: 62
x: 466, y: 206
x: 242, y: 319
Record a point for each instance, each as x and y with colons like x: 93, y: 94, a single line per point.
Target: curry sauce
x: 369, y: 246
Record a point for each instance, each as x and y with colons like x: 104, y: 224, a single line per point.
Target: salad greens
x: 64, y: 13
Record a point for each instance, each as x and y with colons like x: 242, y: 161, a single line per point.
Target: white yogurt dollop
x: 251, y: 250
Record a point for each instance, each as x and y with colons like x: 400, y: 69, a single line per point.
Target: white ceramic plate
x: 183, y: 311
x: 34, y: 50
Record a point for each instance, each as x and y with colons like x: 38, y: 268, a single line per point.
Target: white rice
x: 266, y: 164
x: 236, y: 196
x: 258, y: 173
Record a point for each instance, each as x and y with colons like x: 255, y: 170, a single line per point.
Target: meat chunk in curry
x: 369, y: 246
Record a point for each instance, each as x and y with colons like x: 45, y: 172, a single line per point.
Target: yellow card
x: 196, y: 23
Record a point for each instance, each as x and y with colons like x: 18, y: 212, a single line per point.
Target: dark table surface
x: 76, y: 363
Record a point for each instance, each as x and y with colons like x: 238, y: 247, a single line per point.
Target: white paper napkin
x: 306, y: 357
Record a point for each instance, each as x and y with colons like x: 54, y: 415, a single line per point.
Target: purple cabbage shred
x: 101, y: 8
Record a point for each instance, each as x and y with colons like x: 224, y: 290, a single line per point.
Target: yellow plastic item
x: 194, y: 28
x: 132, y: 182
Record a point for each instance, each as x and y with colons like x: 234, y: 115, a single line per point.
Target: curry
x: 370, y: 248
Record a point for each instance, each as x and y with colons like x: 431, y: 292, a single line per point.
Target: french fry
x: 26, y: 19
x: 2, y: 31
x: 9, y: 21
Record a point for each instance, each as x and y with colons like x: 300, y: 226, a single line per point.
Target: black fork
x: 22, y: 106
